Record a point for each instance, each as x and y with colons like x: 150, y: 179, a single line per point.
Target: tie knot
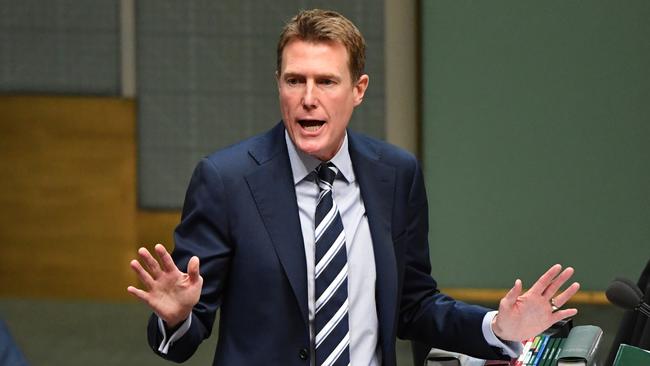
x: 327, y: 172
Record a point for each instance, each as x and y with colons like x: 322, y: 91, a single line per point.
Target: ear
x: 360, y: 89
x: 277, y: 78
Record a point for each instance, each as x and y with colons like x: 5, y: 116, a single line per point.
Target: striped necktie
x: 331, y: 276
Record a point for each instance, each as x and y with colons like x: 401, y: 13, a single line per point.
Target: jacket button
x: 303, y: 354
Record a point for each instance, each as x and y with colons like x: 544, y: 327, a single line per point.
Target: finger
x: 512, y: 295
x: 140, y: 294
x: 546, y: 279
x: 563, y: 314
x: 166, y: 262
x: 193, y: 269
x: 150, y: 262
x: 566, y: 295
x: 558, y: 282
x: 143, y: 275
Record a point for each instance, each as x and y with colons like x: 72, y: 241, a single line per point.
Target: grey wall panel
x: 206, y: 80
x: 58, y: 46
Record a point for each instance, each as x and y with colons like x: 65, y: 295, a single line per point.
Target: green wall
x: 536, y: 139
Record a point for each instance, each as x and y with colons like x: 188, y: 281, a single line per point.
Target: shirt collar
x: 303, y: 164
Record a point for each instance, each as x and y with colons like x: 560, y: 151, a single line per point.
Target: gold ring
x: 554, y: 307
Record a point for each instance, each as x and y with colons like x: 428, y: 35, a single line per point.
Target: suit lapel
x: 272, y: 187
x: 377, y: 184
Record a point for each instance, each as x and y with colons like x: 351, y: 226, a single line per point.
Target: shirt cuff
x: 166, y: 343
x: 509, y: 348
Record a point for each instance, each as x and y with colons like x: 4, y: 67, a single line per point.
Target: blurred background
x: 531, y: 120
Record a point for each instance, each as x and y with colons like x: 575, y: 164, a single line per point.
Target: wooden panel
x: 484, y: 295
x: 67, y: 223
x: 156, y: 227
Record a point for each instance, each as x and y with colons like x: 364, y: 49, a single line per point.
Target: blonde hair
x: 318, y: 25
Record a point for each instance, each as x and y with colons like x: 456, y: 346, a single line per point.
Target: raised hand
x: 169, y: 292
x: 522, y: 316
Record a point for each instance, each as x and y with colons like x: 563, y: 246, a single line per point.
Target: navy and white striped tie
x: 331, y: 276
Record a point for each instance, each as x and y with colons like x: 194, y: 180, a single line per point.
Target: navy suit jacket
x: 240, y: 218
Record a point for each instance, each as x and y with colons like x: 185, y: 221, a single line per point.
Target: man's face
x: 317, y: 95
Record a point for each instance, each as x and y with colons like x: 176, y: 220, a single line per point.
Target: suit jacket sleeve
x: 426, y: 315
x: 203, y: 231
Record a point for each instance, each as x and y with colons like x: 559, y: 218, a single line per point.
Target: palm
x: 169, y: 292
x: 528, y: 317
x: 172, y: 291
x: 522, y: 316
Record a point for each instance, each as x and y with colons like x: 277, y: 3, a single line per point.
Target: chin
x: 312, y: 151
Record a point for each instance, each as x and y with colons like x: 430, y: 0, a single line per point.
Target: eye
x: 292, y: 81
x: 326, y: 82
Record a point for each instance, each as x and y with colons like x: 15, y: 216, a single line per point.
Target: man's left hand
x: 523, y: 316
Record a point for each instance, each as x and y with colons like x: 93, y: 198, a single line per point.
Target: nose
x: 309, y: 98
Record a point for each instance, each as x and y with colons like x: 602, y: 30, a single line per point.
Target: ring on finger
x: 554, y: 307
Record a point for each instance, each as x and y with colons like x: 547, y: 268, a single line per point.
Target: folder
x: 631, y: 356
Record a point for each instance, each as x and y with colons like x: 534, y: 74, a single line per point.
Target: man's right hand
x: 170, y: 293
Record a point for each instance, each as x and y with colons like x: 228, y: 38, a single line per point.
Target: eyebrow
x: 319, y: 76
x: 291, y: 74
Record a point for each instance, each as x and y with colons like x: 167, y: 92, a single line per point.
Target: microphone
x: 626, y: 294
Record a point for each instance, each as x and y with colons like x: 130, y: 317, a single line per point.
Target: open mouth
x: 311, y: 125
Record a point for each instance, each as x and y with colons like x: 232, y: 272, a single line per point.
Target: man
x: 312, y: 239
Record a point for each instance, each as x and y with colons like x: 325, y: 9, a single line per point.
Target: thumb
x: 193, y: 268
x: 513, y: 294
